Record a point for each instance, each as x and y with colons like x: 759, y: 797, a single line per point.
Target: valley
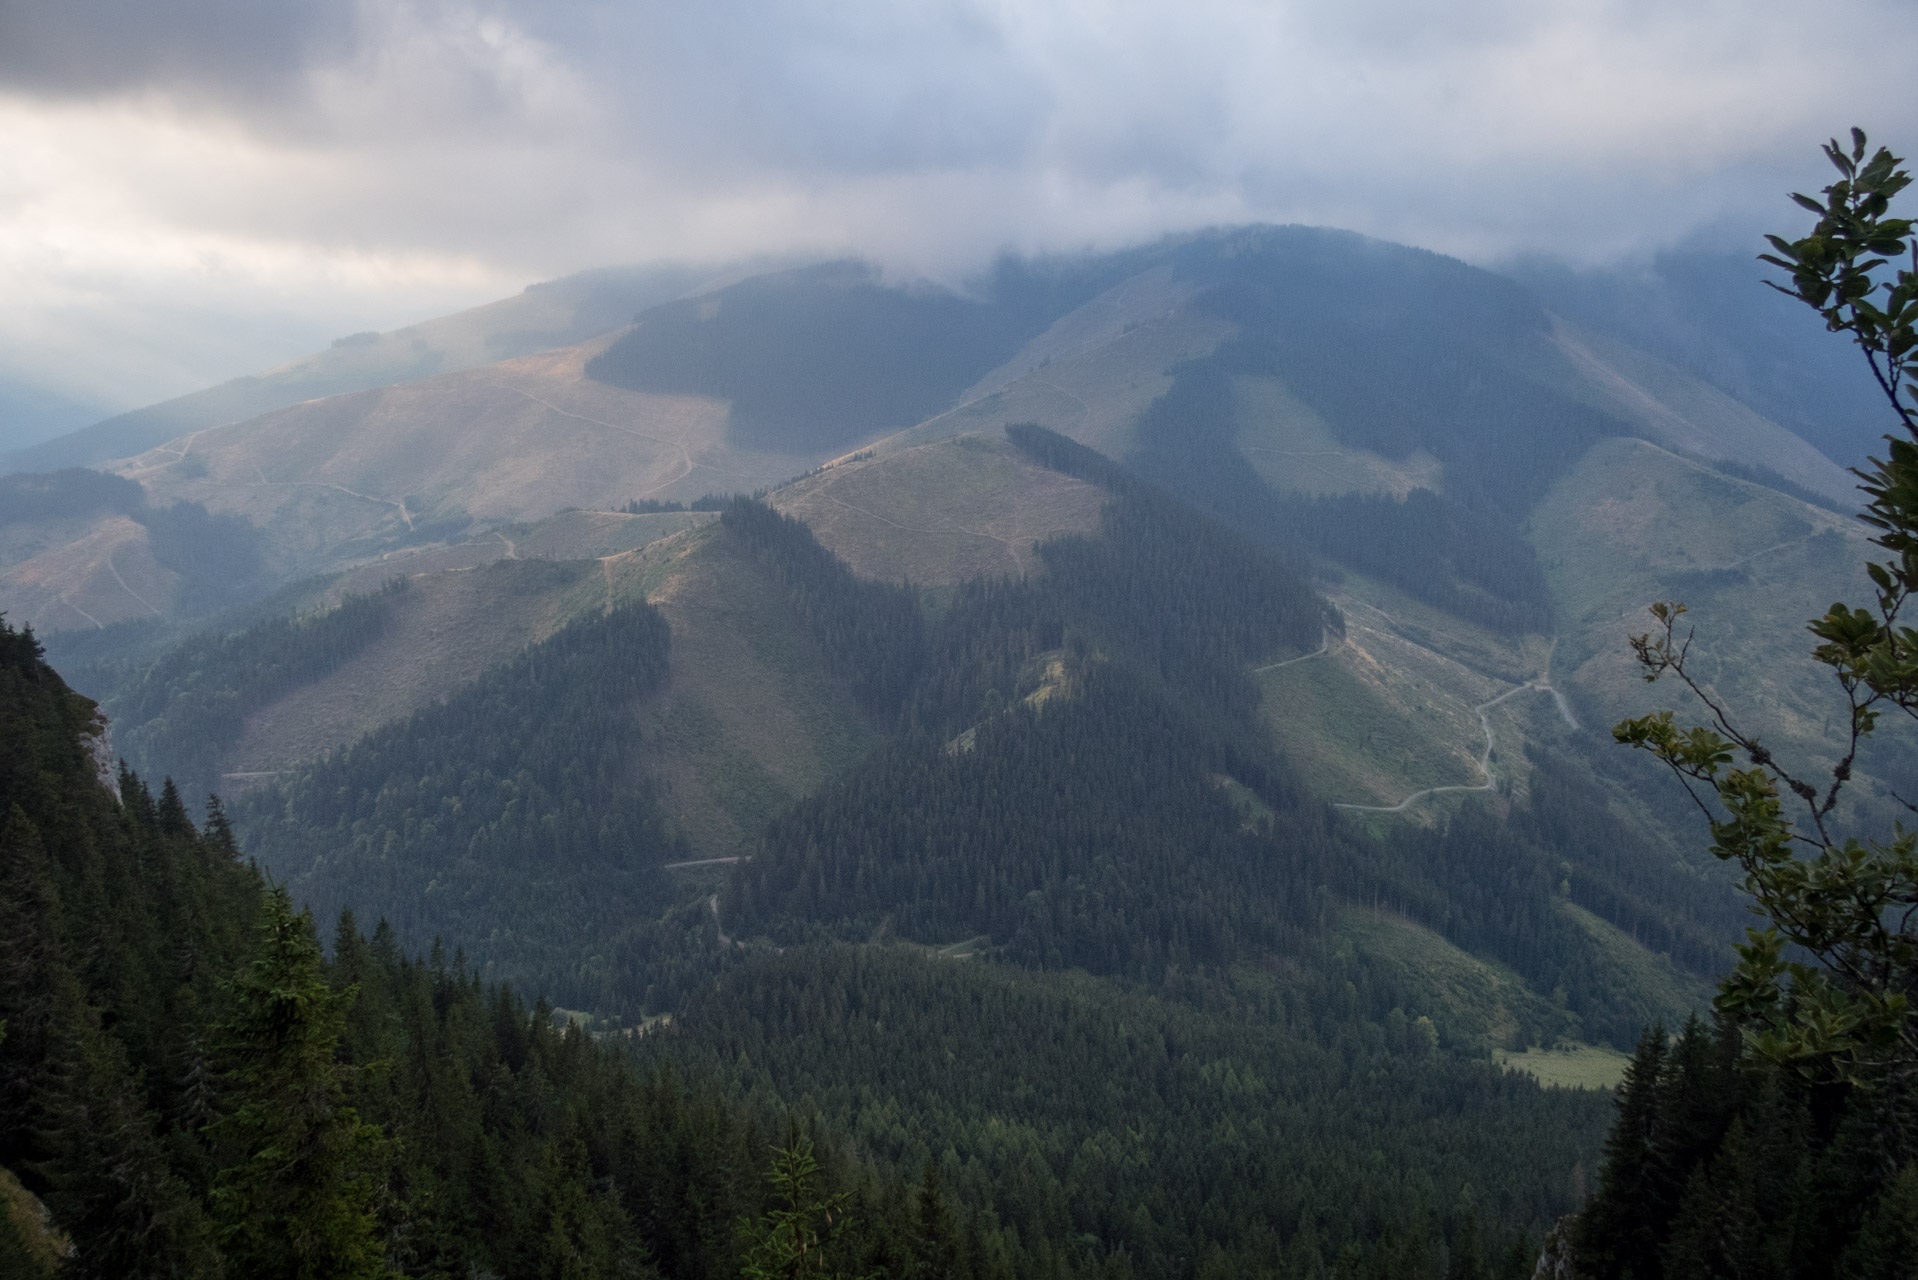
x: 1165, y: 671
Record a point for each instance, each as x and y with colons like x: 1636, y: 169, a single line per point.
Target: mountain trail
x: 328, y: 484
x: 1325, y: 647
x: 114, y: 569
x: 83, y: 613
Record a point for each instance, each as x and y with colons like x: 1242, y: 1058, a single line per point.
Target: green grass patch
x: 1569, y: 1066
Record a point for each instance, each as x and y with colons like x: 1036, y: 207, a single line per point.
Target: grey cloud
x: 387, y: 148
x: 251, y: 50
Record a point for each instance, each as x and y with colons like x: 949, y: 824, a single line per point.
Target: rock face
x: 100, y: 747
x: 1555, y: 1261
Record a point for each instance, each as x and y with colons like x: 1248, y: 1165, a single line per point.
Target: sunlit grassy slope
x: 1633, y: 523
x: 1389, y: 709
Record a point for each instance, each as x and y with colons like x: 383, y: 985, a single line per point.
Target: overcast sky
x: 194, y: 189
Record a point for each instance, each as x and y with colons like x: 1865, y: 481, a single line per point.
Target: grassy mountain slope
x: 1633, y: 523
x: 444, y: 630
x: 75, y: 574
x: 508, y: 442
x: 941, y: 512
x: 749, y: 718
x: 1388, y: 709
x: 554, y: 314
x: 1694, y: 418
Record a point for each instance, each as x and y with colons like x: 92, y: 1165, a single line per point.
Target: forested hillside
x: 517, y: 818
x: 150, y: 977
x: 966, y: 800
x: 190, y: 1088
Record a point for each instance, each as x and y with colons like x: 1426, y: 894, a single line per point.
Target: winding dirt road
x: 1485, y: 757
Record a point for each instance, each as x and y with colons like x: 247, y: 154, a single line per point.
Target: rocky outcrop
x: 1555, y: 1261
x: 100, y: 747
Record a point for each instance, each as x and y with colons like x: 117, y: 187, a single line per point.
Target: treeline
x: 1462, y: 561
x: 218, y: 557
x: 1190, y: 598
x: 1721, y: 1164
x: 653, y: 506
x: 190, y: 707
x: 517, y: 818
x: 871, y: 633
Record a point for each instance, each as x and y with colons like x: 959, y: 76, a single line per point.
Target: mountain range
x: 1206, y: 641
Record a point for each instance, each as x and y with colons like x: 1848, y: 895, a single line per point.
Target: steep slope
x: 1706, y: 311
x: 1314, y: 365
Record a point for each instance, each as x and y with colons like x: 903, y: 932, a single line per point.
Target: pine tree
x: 794, y: 1240
x: 294, y: 1197
x: 1620, y: 1233
x: 935, y: 1237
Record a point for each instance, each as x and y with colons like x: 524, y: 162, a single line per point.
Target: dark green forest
x: 1077, y: 858
x: 516, y: 818
x: 1721, y: 1164
x: 189, y: 1084
x: 192, y: 1089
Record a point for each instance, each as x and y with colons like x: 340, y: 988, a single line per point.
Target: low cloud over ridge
x: 199, y: 189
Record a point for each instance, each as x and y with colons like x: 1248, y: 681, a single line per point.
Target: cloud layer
x: 203, y: 188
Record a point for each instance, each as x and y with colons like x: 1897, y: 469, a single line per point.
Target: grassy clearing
x: 1292, y: 449
x: 1362, y: 731
x: 1093, y: 391
x: 442, y: 632
x: 1633, y: 523
x: 1570, y: 1066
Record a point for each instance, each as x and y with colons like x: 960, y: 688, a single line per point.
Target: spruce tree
x: 294, y: 1197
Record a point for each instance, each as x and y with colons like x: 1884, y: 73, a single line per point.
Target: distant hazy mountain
x: 32, y: 414
x: 553, y: 314
x: 1707, y: 312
